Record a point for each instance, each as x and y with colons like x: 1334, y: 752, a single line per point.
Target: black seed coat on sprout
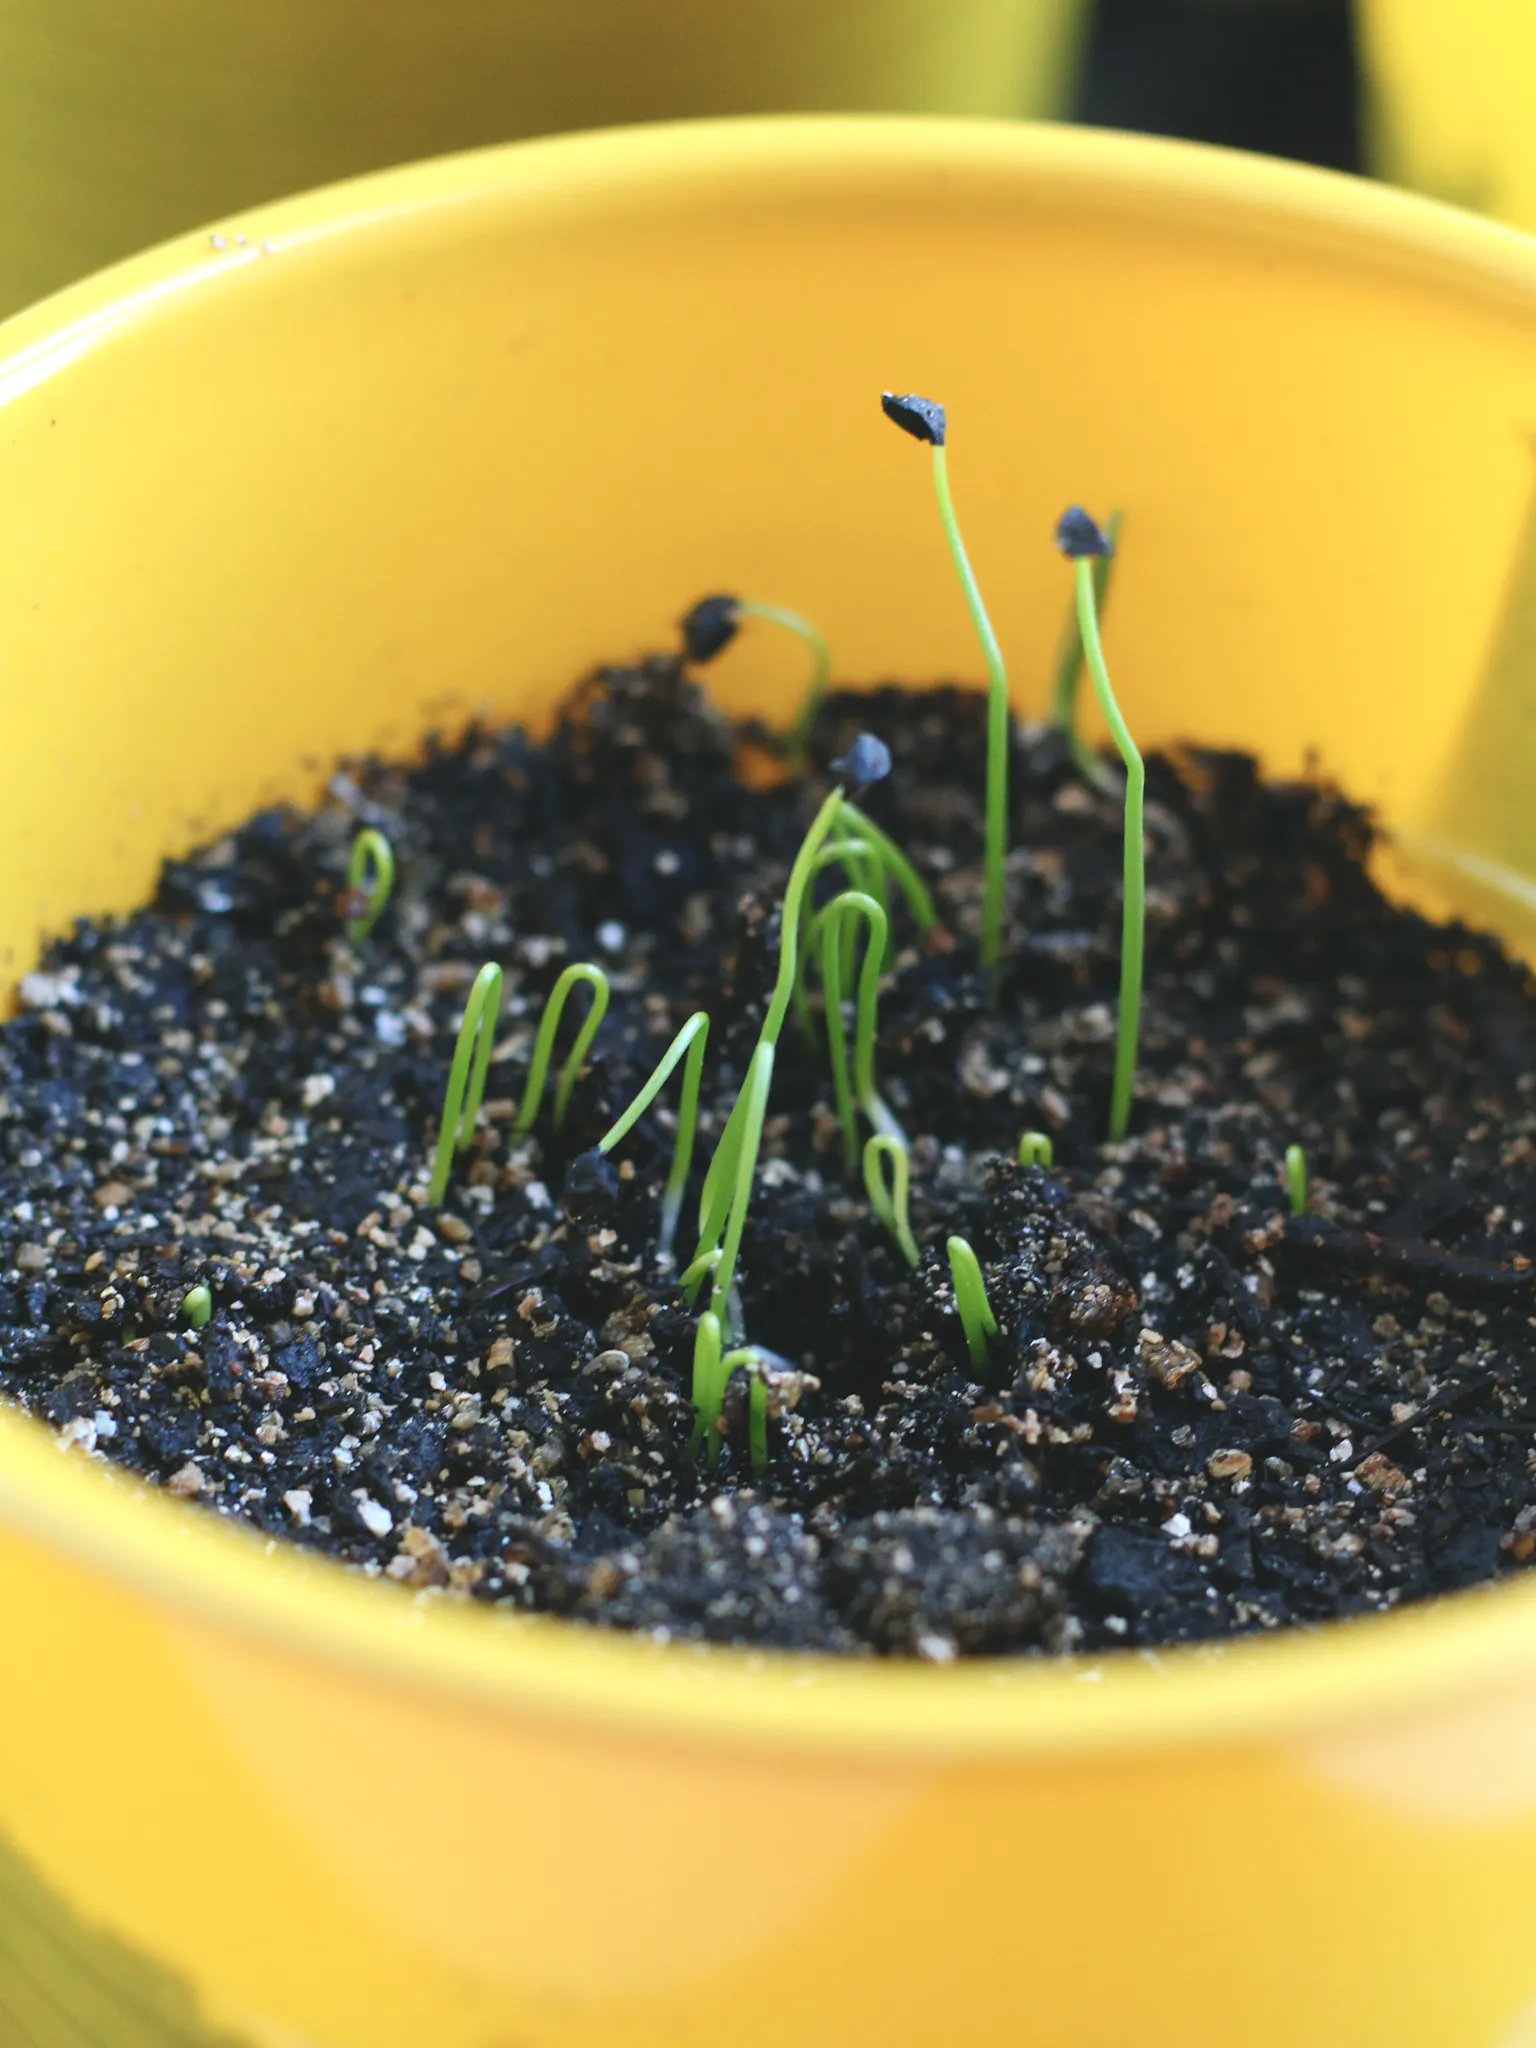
x: 867, y: 760
x: 922, y: 418
x: 1079, y: 535
x: 711, y: 626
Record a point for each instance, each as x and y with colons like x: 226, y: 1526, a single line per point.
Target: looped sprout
x: 370, y: 875
x: 543, y: 1044
x: 691, y: 1040
x: 1069, y: 670
x: 713, y: 623
x: 1036, y: 1149
x: 829, y: 924
x: 882, y: 1154
x: 976, y: 1317
x: 1083, y: 542
x: 197, y: 1305
x: 712, y: 1369
x: 1296, y: 1179
x: 466, y: 1077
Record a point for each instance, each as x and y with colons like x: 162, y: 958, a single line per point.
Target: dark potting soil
x: 1201, y: 1416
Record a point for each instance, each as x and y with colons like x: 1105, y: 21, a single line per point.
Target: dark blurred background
x: 1281, y: 76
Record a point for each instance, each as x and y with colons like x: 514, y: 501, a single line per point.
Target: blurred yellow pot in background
x: 442, y: 439
x: 123, y: 121
x: 1452, y: 91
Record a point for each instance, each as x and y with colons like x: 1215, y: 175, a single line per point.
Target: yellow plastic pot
x: 125, y: 120
x: 439, y: 440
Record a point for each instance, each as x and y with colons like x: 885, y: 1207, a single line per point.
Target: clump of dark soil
x: 1201, y: 1416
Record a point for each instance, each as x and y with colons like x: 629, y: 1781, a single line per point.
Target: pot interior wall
x: 282, y: 502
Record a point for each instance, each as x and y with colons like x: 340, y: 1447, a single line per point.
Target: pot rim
x: 1446, y: 1649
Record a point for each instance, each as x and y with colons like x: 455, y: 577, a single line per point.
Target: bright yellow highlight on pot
x: 382, y: 464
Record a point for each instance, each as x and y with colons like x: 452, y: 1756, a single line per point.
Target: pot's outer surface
x: 123, y: 121
x: 441, y: 440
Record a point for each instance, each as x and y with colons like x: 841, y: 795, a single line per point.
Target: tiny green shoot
x: 1036, y: 1149
x: 713, y: 624
x: 757, y: 1417
x: 1082, y: 541
x: 691, y: 1040
x: 370, y: 874
x: 1069, y: 670
x: 543, y: 1044
x: 197, y: 1306
x: 925, y: 421
x: 466, y: 1084
x: 882, y: 1152
x: 1296, y: 1179
x: 976, y: 1317
x: 829, y: 924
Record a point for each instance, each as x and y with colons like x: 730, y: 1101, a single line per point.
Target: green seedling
x: 197, y: 1306
x: 713, y: 624
x: 830, y: 924
x: 712, y: 1369
x: 976, y: 1317
x: 691, y: 1040
x: 925, y: 421
x: 1083, y: 542
x: 757, y: 1417
x: 882, y: 1154
x: 1036, y: 1149
x: 716, y: 1198
x: 1069, y: 671
x: 871, y: 860
x: 754, y: 1100
x: 896, y: 865
x: 543, y: 1044
x: 466, y: 1077
x: 370, y: 875
x: 1296, y: 1179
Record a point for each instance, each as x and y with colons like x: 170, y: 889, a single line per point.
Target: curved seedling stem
x: 691, y: 1040
x: 881, y: 1153
x: 543, y: 1045
x: 466, y: 1077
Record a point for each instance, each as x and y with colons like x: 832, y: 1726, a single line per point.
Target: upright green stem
x: 466, y: 1082
x: 543, y: 1045
x: 992, y: 903
x: 1069, y: 667
x: 708, y: 1385
x: 715, y: 1198
x: 1133, y: 917
x: 691, y: 1040
x: 755, y: 1097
